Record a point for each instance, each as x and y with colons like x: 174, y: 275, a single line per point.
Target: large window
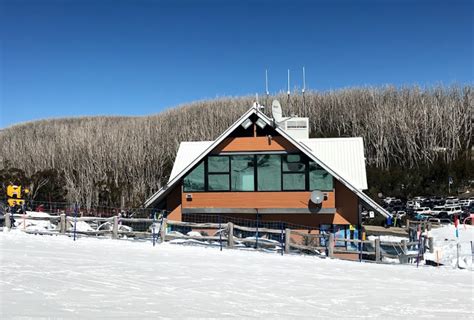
x: 218, y: 173
x: 269, y: 172
x: 294, y: 172
x: 194, y: 181
x: 242, y: 173
x: 319, y: 179
x: 262, y: 172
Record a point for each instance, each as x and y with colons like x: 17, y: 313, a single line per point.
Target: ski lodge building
x: 260, y: 169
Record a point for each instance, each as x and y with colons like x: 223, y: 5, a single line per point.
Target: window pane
x: 218, y: 182
x: 319, y: 179
x: 293, y: 163
x: 194, y: 181
x: 269, y: 172
x: 294, y: 181
x: 218, y: 164
x: 242, y: 175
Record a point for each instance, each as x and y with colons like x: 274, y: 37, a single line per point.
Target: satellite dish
x: 317, y: 197
x: 276, y: 111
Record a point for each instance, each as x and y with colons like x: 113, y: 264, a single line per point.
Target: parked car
x: 444, y: 215
x: 452, y: 210
x: 451, y: 201
x: 410, y: 204
x: 436, y: 210
x: 388, y: 200
x: 423, y: 210
x: 437, y: 200
x: 419, y: 199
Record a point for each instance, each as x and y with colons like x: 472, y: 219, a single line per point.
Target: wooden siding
x: 173, y: 204
x: 346, y: 205
x: 253, y: 200
x: 254, y: 144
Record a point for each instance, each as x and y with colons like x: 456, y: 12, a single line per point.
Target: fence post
x: 115, y: 228
x: 377, y: 250
x: 431, y: 244
x: 287, y: 240
x: 220, y: 233
x: 8, y: 220
x: 164, y: 225
x: 230, y: 234
x: 331, y: 245
x: 62, y: 223
x: 405, y: 250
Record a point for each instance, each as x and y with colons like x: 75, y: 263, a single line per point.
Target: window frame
x: 254, y: 161
x: 207, y: 174
x: 305, y: 161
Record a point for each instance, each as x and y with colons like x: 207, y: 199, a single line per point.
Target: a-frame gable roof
x: 167, y: 187
x: 302, y: 147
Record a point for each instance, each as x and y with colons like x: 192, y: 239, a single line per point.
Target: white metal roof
x: 187, y: 152
x: 344, y: 155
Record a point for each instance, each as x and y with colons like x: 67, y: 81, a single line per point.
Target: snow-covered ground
x: 446, y: 242
x: 54, y: 277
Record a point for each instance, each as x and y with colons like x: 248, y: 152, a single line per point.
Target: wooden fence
x: 225, y: 236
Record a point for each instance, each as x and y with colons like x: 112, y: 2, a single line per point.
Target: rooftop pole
x: 288, y: 92
x: 266, y: 87
x: 303, y: 90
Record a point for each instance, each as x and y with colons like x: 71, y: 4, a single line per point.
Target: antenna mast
x: 266, y: 87
x: 288, y: 92
x: 303, y: 90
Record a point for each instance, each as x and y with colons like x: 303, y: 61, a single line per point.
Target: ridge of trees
x: 114, y: 161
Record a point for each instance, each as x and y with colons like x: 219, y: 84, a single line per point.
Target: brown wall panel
x: 173, y: 204
x: 346, y: 204
x: 242, y: 144
x: 253, y: 200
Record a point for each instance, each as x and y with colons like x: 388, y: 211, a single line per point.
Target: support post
x: 220, y: 233
x: 230, y: 234
x: 331, y: 245
x: 377, y: 250
x: 115, y: 228
x: 405, y: 250
x: 164, y: 226
x: 62, y: 223
x: 8, y: 220
x: 287, y: 240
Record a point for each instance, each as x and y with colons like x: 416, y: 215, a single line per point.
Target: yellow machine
x: 14, y: 195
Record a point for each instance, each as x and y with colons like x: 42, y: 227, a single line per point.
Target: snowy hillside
x: 52, y: 276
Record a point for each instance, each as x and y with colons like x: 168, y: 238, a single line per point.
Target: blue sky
x: 71, y: 58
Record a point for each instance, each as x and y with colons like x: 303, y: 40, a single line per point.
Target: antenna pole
x: 303, y: 90
x: 288, y: 92
x: 266, y: 86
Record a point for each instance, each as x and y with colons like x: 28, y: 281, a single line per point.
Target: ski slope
x: 54, y: 277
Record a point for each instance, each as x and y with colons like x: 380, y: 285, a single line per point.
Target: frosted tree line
x: 129, y: 158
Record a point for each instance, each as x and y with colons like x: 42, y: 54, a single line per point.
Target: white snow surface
x: 446, y: 242
x: 55, y: 277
